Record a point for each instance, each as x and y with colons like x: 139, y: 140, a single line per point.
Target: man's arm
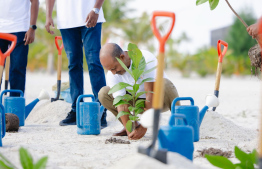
x: 92, y: 17
x: 30, y: 34
x: 124, y: 118
x: 149, y: 87
x: 49, y: 19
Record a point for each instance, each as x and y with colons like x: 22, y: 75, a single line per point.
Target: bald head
x: 110, y: 50
x: 108, y: 54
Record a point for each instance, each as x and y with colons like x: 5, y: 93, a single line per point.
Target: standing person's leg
x: 92, y: 44
x: 3, y: 47
x: 169, y: 95
x: 18, y: 63
x: 73, y: 47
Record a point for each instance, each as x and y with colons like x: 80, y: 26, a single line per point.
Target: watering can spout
x: 211, y: 101
x: 43, y: 95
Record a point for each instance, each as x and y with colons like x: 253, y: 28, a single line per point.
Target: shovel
x: 160, y: 155
x: 260, y: 139
x: 219, y: 66
x: 59, y: 67
x: 7, y: 67
x: 3, y: 56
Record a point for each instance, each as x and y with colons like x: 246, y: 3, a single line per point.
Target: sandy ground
x: 235, y: 122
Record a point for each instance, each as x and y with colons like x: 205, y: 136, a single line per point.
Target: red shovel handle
x: 221, y: 54
x: 59, y: 48
x: 162, y: 40
x: 11, y: 38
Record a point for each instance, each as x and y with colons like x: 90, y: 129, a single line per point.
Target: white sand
x: 235, y: 122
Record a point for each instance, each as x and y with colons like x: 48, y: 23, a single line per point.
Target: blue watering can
x: 88, y: 116
x: 177, y: 138
x: 16, y: 105
x: 2, y: 124
x: 193, y: 116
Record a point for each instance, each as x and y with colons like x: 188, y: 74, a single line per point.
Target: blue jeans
x: 74, y: 39
x: 18, y: 62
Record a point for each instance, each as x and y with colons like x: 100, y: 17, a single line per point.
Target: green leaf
x: 131, y: 108
x: 137, y: 73
x: 140, y: 103
x: 149, y: 70
x: 26, y: 158
x: 145, y: 80
x: 142, y: 64
x: 136, y: 87
x: 6, y: 161
x: 241, y: 155
x: 254, y: 156
x: 117, y: 87
x: 199, y: 2
x: 137, y: 58
x: 220, y: 161
x: 130, y: 91
x: 129, y: 125
x: 133, y: 118
x: 41, y: 164
x: 140, y: 94
x: 121, y: 102
x: 138, y: 111
x: 131, y: 46
x: 213, y: 4
x: 126, y: 98
x: 124, y: 66
x: 4, y: 166
x: 117, y: 99
x: 122, y: 113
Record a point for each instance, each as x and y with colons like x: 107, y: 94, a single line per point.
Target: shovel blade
x: 160, y: 155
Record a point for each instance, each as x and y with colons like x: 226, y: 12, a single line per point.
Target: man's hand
x: 91, y: 19
x: 49, y: 22
x: 138, y: 133
x: 253, y: 30
x: 29, y: 36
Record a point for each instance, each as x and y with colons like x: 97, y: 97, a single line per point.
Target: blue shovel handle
x: 179, y: 99
x: 3, y: 120
x: 77, y: 106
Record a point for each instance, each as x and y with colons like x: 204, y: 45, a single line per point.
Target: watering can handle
x: 3, y: 120
x: 11, y: 38
x: 59, y: 48
x: 77, y: 105
x: 11, y: 91
x: 162, y: 40
x: 221, y: 54
x: 179, y: 99
x: 174, y: 116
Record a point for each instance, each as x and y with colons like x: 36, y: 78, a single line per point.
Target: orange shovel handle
x: 162, y: 40
x: 11, y: 38
x: 59, y: 48
x: 221, y: 54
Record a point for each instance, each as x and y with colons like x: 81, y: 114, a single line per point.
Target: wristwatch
x: 96, y: 10
x: 33, y: 27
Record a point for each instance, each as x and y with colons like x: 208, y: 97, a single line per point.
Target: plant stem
x: 134, y: 104
x: 243, y: 22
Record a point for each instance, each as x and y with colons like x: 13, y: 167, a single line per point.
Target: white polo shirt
x: 73, y: 13
x: 14, y: 15
x: 112, y: 79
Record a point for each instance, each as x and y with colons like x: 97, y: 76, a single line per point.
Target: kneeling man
x: 116, y: 73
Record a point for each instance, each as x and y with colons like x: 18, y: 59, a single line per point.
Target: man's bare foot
x: 138, y: 133
x: 121, y: 133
